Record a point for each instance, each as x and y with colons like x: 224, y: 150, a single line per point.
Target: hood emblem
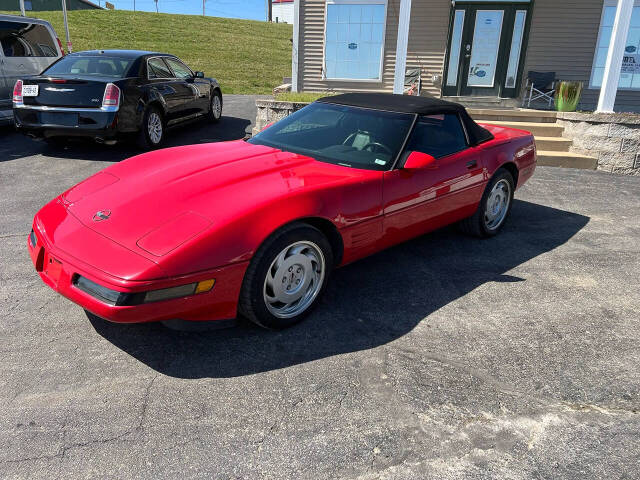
x: 102, y: 215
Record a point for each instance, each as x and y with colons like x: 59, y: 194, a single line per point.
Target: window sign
x: 630, y: 69
x: 486, y: 42
x: 354, y: 39
x: 631, y: 64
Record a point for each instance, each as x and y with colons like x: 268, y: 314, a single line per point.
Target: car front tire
x: 286, y: 277
x: 215, y: 108
x: 494, y: 208
x: 152, y: 129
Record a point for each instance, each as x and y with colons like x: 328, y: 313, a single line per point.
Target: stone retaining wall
x: 612, y: 138
x: 270, y: 111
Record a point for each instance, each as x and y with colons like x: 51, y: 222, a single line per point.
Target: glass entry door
x: 486, y: 49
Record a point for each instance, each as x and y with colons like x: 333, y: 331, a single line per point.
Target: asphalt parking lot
x: 446, y: 357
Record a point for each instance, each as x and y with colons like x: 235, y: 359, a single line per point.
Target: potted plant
x: 568, y: 96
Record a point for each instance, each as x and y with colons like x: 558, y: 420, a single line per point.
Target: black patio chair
x: 540, y: 86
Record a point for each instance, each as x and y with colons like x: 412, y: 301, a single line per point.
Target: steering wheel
x: 377, y: 145
x: 350, y: 138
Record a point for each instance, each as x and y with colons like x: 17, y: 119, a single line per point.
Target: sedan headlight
x: 114, y: 297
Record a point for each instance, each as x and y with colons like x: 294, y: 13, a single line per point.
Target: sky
x: 251, y: 9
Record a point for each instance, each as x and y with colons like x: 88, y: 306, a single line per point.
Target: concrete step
x: 536, y: 128
x: 553, y: 144
x: 566, y: 160
x: 512, y: 115
x: 485, y: 102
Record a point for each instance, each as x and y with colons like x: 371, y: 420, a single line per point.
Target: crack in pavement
x: 101, y: 441
x: 277, y: 423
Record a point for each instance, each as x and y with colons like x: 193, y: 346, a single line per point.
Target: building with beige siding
x: 467, y: 49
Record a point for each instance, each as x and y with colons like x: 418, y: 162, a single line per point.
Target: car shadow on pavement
x: 14, y: 145
x: 367, y: 304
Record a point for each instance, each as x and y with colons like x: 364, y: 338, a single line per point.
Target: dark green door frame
x: 466, y: 48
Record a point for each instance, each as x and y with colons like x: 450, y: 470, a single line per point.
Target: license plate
x: 30, y: 90
x: 57, y: 118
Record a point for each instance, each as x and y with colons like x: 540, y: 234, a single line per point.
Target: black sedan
x: 105, y: 94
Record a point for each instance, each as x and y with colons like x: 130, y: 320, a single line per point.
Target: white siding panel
x: 283, y: 12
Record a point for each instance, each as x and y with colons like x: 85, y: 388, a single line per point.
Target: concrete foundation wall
x: 614, y: 139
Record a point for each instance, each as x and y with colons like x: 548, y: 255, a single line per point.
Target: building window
x: 630, y: 76
x: 354, y: 39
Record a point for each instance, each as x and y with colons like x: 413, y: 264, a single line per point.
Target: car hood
x: 157, y: 201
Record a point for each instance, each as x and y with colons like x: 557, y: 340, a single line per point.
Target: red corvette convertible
x: 207, y: 232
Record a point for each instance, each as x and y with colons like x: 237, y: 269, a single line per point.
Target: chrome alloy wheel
x: 154, y: 127
x: 294, y: 279
x: 216, y: 107
x: 497, y: 204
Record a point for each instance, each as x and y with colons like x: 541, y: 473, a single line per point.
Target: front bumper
x: 92, y: 123
x: 58, y: 270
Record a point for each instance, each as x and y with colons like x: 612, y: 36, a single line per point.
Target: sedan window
x: 158, y: 69
x: 179, y: 69
x: 91, y: 65
x: 438, y: 135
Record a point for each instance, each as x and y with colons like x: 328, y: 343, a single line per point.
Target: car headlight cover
x: 95, y: 290
x: 113, y: 297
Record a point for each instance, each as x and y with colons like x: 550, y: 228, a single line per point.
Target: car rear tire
x: 494, y: 207
x: 215, y: 108
x: 286, y: 277
x: 152, y: 130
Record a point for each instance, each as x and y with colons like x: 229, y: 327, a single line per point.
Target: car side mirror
x: 418, y: 160
x: 199, y: 74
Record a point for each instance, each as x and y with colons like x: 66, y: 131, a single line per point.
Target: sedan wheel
x: 286, y: 277
x: 215, y: 112
x: 151, y: 132
x: 154, y: 127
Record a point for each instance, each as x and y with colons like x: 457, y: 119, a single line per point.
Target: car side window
x: 26, y: 40
x: 438, y: 135
x: 158, y: 69
x: 180, y: 70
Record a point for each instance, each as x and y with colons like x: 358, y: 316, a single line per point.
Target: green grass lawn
x: 245, y: 56
x: 302, y: 97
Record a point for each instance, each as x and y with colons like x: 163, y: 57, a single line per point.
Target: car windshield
x: 343, y: 135
x: 100, y: 66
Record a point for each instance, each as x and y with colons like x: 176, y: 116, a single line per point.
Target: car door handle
x: 472, y: 164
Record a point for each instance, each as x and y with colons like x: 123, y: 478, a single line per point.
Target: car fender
x: 152, y: 96
x: 237, y: 239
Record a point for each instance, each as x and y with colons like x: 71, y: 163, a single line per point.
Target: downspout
x: 296, y: 42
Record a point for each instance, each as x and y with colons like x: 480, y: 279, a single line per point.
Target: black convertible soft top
x: 412, y: 104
